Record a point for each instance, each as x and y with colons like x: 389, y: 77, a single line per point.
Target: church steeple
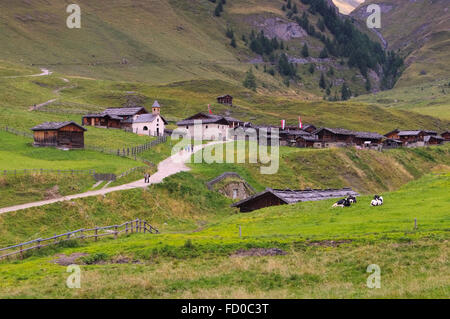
x: 156, y: 108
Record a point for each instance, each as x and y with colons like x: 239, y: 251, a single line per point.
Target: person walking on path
x: 146, y: 178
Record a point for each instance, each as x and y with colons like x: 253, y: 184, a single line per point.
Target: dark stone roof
x: 232, y: 119
x: 289, y: 196
x: 117, y: 113
x: 204, y: 118
x: 343, y: 131
x: 428, y: 137
x: 156, y: 104
x: 222, y: 96
x: 144, y: 118
x: 409, y: 133
x: 124, y: 111
x: 52, y: 126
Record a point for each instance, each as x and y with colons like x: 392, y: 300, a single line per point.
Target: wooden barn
x: 411, y: 136
x: 335, y: 135
x: 275, y: 197
x: 225, y: 99
x: 340, y: 136
x: 113, y: 117
x: 433, y: 140
x: 392, y: 143
x: 362, y: 138
x: 59, y: 134
x: 446, y: 136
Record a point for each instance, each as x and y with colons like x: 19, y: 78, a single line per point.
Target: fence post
x: 126, y: 228
x: 137, y: 225
x: 39, y: 244
x: 21, y: 252
x: 55, y: 239
x: 96, y: 233
x: 145, y: 228
x: 115, y: 233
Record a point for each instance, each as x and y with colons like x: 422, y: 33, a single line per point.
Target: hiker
x: 146, y: 178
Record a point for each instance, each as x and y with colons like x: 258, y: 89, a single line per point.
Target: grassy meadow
x: 327, y: 253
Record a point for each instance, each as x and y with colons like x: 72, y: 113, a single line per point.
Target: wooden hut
x: 411, y: 136
x: 225, y: 99
x: 113, y: 117
x: 392, y: 143
x: 274, y: 197
x: 446, y: 136
x: 59, y: 134
x: 335, y: 136
x: 433, y: 140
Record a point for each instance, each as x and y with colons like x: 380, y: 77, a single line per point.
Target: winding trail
x: 43, y: 70
x: 170, y: 166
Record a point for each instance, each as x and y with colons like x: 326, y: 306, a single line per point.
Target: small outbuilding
x: 446, y: 136
x: 433, y: 140
x: 225, y: 99
x: 59, y: 134
x: 275, y: 197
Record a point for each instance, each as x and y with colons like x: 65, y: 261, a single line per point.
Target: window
x: 206, y: 126
x: 145, y: 128
x: 187, y: 127
x: 157, y: 120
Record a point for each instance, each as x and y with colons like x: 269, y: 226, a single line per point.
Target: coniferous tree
x: 346, y: 93
x: 323, y: 54
x: 219, y: 9
x: 233, y: 42
x: 305, y: 51
x: 322, y: 82
x: 368, y: 85
x: 250, y: 80
x: 311, y: 68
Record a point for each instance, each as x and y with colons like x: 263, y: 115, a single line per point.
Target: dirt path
x: 43, y: 70
x: 38, y: 106
x: 166, y: 168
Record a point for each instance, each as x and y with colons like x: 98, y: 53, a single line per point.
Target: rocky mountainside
x: 169, y: 41
x: 420, y: 31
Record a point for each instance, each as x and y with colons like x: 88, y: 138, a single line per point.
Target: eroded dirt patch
x: 329, y: 243
x: 66, y: 260
x: 259, y: 252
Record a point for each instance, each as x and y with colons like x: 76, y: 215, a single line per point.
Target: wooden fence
x: 134, y: 226
x: 15, y: 131
x: 47, y: 171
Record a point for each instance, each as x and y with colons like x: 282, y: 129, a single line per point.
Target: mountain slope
x: 420, y: 30
x: 165, y: 41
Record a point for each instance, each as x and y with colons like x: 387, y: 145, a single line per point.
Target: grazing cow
x: 351, y: 199
x: 342, y: 203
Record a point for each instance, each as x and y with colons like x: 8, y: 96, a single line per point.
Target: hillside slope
x: 421, y: 31
x: 175, y: 40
